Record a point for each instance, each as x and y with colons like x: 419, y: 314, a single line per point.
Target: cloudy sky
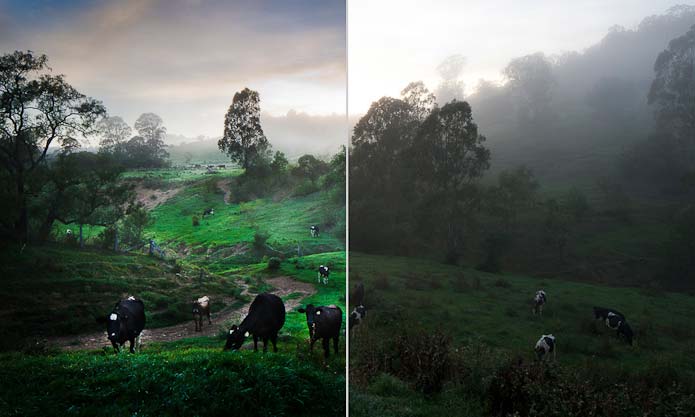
x: 393, y: 42
x: 185, y: 59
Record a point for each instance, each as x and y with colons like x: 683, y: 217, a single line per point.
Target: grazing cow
x: 357, y: 297
x: 126, y: 321
x: 314, y: 231
x: 324, y: 323
x: 265, y: 319
x: 68, y: 232
x: 545, y: 345
x: 357, y: 316
x: 201, y: 307
x: 221, y: 166
x: 538, y: 300
x: 209, y: 212
x: 615, y: 320
x: 323, y: 274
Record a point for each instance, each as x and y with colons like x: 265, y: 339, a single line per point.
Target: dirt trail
x: 224, y: 186
x: 283, y: 287
x: 152, y: 198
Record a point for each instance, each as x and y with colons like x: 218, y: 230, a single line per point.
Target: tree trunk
x: 45, y: 229
x: 21, y: 229
x: 115, y: 239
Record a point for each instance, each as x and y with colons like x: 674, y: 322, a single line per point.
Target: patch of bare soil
x: 152, y: 198
x: 224, y: 186
x: 283, y: 286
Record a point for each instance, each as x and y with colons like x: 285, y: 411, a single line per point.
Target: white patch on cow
x: 113, y: 334
x: 113, y: 317
x: 131, y: 298
x: 318, y: 313
x: 231, y: 332
x: 246, y: 334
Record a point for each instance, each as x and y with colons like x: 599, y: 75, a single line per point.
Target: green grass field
x: 490, y: 322
x: 58, y: 290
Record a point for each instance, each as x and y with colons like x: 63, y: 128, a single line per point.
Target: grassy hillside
x: 487, y: 324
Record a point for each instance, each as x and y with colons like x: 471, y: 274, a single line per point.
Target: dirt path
x: 224, y: 186
x: 283, y: 287
x: 152, y: 198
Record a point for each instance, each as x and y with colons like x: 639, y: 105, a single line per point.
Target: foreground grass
x: 189, y: 381
x: 490, y: 325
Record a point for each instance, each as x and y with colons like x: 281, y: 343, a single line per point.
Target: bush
x: 196, y: 221
x: 259, y: 239
x: 305, y: 188
x: 274, y: 263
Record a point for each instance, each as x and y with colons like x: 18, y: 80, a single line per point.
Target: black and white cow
x: 538, y: 301
x: 357, y: 316
x: 209, y: 212
x: 126, y: 321
x: 314, y: 231
x: 323, y: 274
x: 324, y: 323
x: 544, y: 346
x: 615, y: 320
x: 265, y: 319
x: 201, y: 307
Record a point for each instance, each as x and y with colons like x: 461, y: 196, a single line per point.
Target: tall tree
x: 37, y: 110
x: 151, y: 128
x: 243, y: 138
x: 531, y: 81
x: 673, y: 90
x: 419, y: 98
x: 113, y: 131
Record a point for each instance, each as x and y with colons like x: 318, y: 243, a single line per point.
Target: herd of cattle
x: 263, y: 322
x: 613, y: 319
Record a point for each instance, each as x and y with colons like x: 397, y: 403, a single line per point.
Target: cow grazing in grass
x: 221, y: 166
x: 357, y: 297
x: 126, y: 321
x: 544, y: 346
x: 209, y: 212
x: 538, y: 301
x: 265, y: 319
x: 324, y: 323
x: 201, y: 308
x: 323, y: 274
x: 615, y: 320
x: 357, y: 316
x: 314, y: 231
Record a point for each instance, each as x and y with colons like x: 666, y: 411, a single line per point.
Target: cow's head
x: 235, y: 338
x: 115, y: 325
x: 311, y: 313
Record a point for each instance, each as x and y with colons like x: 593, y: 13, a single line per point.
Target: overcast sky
x: 394, y: 42
x: 185, y: 59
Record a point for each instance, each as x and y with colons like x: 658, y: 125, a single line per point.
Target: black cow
x: 538, y: 301
x: 545, y: 345
x: 357, y: 316
x: 126, y: 321
x: 323, y: 274
x: 209, y: 211
x: 201, y: 307
x: 615, y: 320
x: 314, y: 231
x: 357, y: 297
x: 324, y: 323
x: 265, y: 319
x: 221, y: 166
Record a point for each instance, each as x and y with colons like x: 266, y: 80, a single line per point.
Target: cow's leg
x: 265, y: 344
x: 326, y: 347
x: 132, y: 344
x: 274, y: 339
x: 255, y: 343
x: 540, y: 310
x: 335, y: 344
x: 115, y: 347
x: 311, y: 344
x: 209, y: 321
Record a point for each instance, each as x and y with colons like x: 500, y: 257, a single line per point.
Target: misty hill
x: 596, y: 105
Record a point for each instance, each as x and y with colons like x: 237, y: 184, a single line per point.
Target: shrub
x: 274, y: 263
x: 196, y: 221
x: 259, y: 239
